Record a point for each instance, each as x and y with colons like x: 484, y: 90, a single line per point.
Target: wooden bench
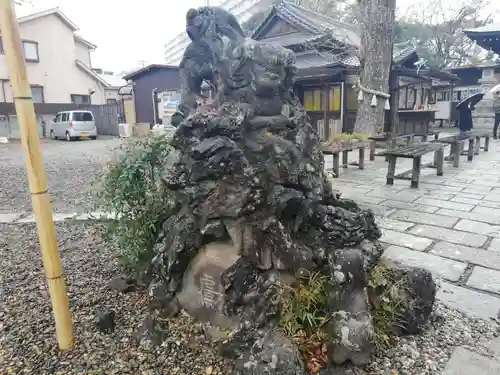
x: 344, y: 149
x: 415, y: 152
x: 388, y: 138
x: 456, y: 142
x: 478, y: 135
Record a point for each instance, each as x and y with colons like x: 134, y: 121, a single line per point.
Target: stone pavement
x: 450, y: 225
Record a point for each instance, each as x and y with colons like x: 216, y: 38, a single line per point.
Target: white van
x: 71, y: 125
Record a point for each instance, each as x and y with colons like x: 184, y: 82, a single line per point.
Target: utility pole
x: 36, y: 175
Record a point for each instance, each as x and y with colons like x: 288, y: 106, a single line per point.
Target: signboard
x: 170, y: 100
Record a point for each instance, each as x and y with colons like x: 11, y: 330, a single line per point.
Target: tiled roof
x: 113, y: 80
x: 491, y: 28
x: 312, y: 22
x: 400, y: 55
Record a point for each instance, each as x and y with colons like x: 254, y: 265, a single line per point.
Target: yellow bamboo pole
x: 36, y: 174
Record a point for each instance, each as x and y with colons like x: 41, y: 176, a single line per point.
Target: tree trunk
x: 377, y: 25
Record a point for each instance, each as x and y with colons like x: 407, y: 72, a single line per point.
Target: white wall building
x: 242, y: 9
x: 57, y: 60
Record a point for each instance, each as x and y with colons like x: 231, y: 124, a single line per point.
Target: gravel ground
x: 27, y: 338
x: 70, y: 167
x: 27, y: 334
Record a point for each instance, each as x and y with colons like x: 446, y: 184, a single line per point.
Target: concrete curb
x: 24, y: 218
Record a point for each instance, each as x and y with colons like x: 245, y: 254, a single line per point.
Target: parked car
x: 71, y: 125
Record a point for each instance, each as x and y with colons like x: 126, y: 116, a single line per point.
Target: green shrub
x: 132, y: 189
x: 304, y: 314
x: 387, y: 311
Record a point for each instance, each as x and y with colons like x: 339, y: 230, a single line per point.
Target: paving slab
x: 492, y: 197
x: 439, y: 187
x: 379, y: 211
x: 469, y: 195
x: 425, y: 218
x: 360, y: 197
x: 467, y: 254
x: 487, y: 208
x: 471, y: 302
x: 477, y: 189
x: 478, y: 227
x: 466, y: 200
x: 489, y: 204
x: 404, y: 196
x: 494, y: 245
x: 444, y: 204
x: 466, y: 362
x: 409, y: 206
x: 404, y: 239
x: 391, y: 224
x: 476, y: 216
x: 449, y: 235
x: 27, y: 219
x: 485, y: 279
x: 440, y: 267
x: 9, y: 218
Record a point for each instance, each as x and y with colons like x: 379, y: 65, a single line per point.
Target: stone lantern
x: 483, y: 116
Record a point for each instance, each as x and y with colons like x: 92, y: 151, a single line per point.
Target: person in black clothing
x: 465, y: 118
x: 496, y: 108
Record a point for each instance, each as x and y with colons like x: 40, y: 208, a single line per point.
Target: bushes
x: 132, y: 189
x: 304, y: 314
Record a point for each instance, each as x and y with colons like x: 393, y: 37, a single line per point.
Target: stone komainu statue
x: 254, y: 207
x: 206, y: 27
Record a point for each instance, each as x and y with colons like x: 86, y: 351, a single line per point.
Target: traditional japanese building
x: 328, y: 67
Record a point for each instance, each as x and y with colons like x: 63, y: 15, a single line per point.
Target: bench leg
x: 470, y: 152
x: 362, y: 158
x: 372, y: 150
x: 456, y: 154
x: 424, y: 138
x: 415, y: 172
x: 436, y: 136
x: 345, y: 158
x: 391, y: 170
x: 336, y: 164
x: 478, y: 145
x: 409, y: 140
x: 439, y: 161
x: 486, y: 143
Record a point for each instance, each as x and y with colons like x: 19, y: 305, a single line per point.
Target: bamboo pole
x: 36, y: 174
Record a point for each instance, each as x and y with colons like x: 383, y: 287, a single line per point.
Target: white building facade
x: 58, y: 62
x: 242, y: 9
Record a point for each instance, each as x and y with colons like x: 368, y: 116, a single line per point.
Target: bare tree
x: 377, y: 21
x: 437, y: 30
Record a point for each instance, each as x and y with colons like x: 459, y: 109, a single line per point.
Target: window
x: 111, y: 101
x: 2, y: 51
x: 334, y: 99
x: 58, y: 118
x: 80, y: 99
x: 64, y: 117
x: 30, y: 50
x: 411, y: 97
x: 82, y: 116
x: 312, y: 100
x: 37, y: 94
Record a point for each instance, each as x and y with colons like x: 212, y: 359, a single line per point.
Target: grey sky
x: 127, y: 32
